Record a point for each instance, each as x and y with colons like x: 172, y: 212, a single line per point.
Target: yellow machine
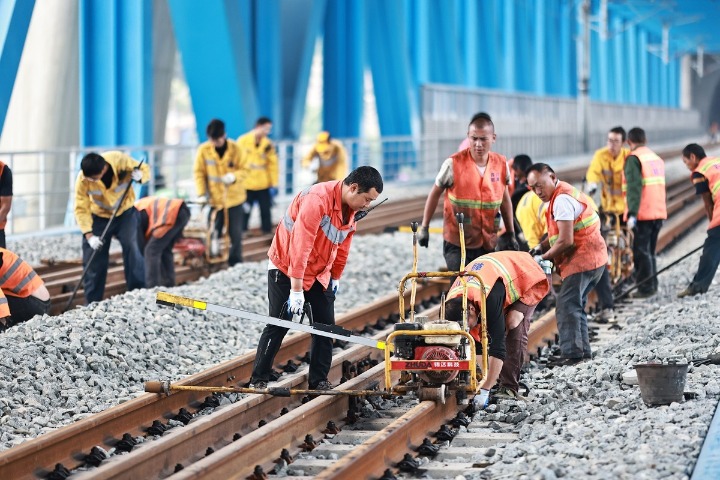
x: 436, y: 357
x: 202, y: 245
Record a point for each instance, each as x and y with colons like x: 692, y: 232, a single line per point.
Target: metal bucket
x: 661, y: 384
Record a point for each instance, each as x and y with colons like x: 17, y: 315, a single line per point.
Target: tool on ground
x: 102, y: 239
x: 634, y: 287
x: 713, y: 359
x: 410, y: 230
x: 440, y: 354
x: 363, y: 213
x: 159, y: 386
x: 324, y: 330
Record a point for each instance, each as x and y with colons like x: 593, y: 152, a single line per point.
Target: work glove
x: 631, y: 223
x: 507, y: 241
x: 201, y: 200
x: 536, y: 250
x: 546, y: 265
x: 273, y: 192
x: 95, y: 242
x: 334, y: 286
x: 423, y: 237
x: 481, y: 400
x: 228, y: 178
x: 539, y: 259
x: 136, y: 175
x: 591, y: 189
x: 296, y: 302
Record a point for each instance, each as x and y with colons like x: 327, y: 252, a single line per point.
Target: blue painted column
x: 14, y: 23
x: 540, y: 53
x: 420, y: 45
x: 473, y: 21
x: 219, y: 78
x: 509, y: 51
x: 674, y: 90
x: 268, y: 65
x: 568, y: 31
x: 343, y: 67
x: 486, y: 28
x: 631, y: 69
x: 654, y: 84
x: 443, y: 42
x: 619, y: 63
x: 116, y: 106
x: 597, y: 70
x: 643, y: 65
x: 601, y: 69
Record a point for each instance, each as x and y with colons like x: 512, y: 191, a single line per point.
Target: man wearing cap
x: 331, y: 156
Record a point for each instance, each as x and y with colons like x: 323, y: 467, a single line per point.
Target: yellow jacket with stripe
x: 530, y: 214
x: 607, y: 173
x: 93, y: 198
x: 261, y: 160
x: 209, y: 169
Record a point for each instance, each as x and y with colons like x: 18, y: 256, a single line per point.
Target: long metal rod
x: 102, y: 239
x: 167, y: 387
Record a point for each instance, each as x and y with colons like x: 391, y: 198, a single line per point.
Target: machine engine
x: 431, y: 347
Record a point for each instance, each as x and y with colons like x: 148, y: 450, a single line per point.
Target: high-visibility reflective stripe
x: 255, y: 166
x: 332, y: 233
x: 3, y: 300
x: 330, y: 161
x: 477, y: 204
x: 10, y: 271
x: 210, y: 162
x: 104, y: 206
x: 213, y: 178
x: 653, y: 181
x: 94, y: 192
x: 509, y: 285
x: 18, y: 288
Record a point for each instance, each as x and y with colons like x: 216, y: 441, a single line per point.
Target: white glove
x: 95, y: 242
x: 296, y: 302
x: 539, y: 259
x: 136, y: 175
x: 632, y: 221
x: 591, y: 188
x: 334, y: 286
x: 228, y: 179
x: 481, y: 400
x: 201, y: 200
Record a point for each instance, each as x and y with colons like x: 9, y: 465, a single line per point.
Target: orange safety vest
x: 652, y: 196
x: 162, y: 214
x: 17, y: 279
x: 2, y: 169
x: 315, y: 244
x: 589, y: 250
x: 710, y: 169
x: 523, y: 278
x: 478, y: 198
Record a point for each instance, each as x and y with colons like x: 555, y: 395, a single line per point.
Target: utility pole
x: 584, y: 76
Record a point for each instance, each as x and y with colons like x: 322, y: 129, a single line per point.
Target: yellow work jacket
x: 607, y: 173
x: 261, y: 160
x: 530, y: 214
x: 93, y: 198
x: 332, y: 161
x: 210, y: 168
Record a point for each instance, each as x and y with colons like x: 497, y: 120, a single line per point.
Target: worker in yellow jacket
x: 331, y: 156
x: 261, y: 159
x: 220, y: 171
x: 530, y: 214
x: 99, y: 187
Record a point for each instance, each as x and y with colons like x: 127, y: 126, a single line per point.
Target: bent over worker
x: 219, y: 172
x: 162, y: 221
x: 100, y: 185
x: 23, y: 294
x: 307, y: 258
x: 475, y: 182
x: 706, y: 178
x: 579, y: 252
x: 332, y: 158
x: 645, y: 208
x: 514, y: 285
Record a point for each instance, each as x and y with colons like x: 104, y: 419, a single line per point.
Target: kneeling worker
x: 307, y: 258
x: 162, y: 221
x: 23, y: 294
x: 514, y: 285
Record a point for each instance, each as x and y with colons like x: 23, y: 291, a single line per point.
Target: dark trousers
x: 516, y: 341
x: 236, y: 219
x: 2, y: 238
x: 709, y: 262
x: 604, y: 290
x: 646, y: 234
x: 451, y: 252
x: 264, y: 200
x: 494, y: 310
x: 322, y: 303
x: 570, y: 313
x: 124, y: 228
x: 159, y: 261
x: 23, y: 309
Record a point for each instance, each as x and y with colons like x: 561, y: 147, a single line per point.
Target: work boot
x: 323, y: 385
x: 688, y: 292
x: 258, y: 385
x: 640, y: 294
x: 607, y: 315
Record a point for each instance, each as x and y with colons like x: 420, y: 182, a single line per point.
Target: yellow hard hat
x: 323, y: 142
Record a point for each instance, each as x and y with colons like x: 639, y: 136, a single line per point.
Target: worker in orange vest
x: 513, y: 286
x: 162, y: 221
x: 6, y: 194
x: 577, y: 249
x: 706, y: 178
x: 475, y: 182
x: 645, y: 208
x: 23, y: 293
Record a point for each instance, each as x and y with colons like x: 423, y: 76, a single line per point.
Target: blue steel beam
x: 116, y: 72
x: 343, y: 67
x: 14, y: 23
x: 631, y: 68
x: 540, y: 19
x: 509, y: 46
x: 301, y: 25
x: 268, y: 66
x: 217, y: 61
x: 471, y: 40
